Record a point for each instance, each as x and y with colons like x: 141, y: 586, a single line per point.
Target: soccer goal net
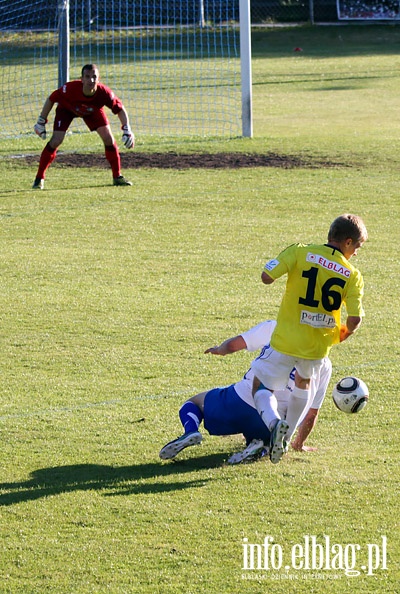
x: 175, y: 64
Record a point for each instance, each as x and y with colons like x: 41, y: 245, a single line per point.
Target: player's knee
x: 257, y: 386
x: 301, y: 382
x: 106, y: 135
x: 198, y: 399
x: 55, y: 141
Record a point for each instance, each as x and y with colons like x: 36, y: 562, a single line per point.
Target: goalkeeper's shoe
x: 256, y: 449
x: 278, y: 444
x: 177, y: 445
x: 38, y: 184
x: 121, y: 181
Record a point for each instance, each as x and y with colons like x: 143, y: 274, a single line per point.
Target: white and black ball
x: 350, y: 395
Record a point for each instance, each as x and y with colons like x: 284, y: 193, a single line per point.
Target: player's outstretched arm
x: 231, y: 345
x: 304, y: 431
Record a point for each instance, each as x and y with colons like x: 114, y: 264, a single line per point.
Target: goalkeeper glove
x: 128, y: 138
x: 40, y: 127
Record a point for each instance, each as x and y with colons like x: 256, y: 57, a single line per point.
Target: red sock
x: 112, y: 156
x: 46, y: 158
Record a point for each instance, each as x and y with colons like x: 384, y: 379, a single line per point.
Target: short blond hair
x: 348, y: 226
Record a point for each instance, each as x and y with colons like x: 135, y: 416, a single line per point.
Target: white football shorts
x: 273, y: 368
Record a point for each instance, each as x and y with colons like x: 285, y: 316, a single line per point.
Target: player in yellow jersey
x: 320, y: 279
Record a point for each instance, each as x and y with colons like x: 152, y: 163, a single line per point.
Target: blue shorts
x: 226, y: 414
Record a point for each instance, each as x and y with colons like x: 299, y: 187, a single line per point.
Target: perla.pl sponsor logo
x: 328, y: 264
x: 315, y: 554
x: 317, y: 320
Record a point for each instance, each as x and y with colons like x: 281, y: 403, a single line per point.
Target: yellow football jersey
x: 320, y: 279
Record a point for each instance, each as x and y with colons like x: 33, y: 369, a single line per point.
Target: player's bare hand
x: 40, y: 127
x: 344, y: 333
x: 215, y: 350
x: 128, y: 137
x: 299, y: 447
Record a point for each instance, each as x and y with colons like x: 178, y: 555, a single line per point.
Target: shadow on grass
x: 117, y: 480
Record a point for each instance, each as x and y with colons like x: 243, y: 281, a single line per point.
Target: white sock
x: 267, y: 406
x: 297, y: 403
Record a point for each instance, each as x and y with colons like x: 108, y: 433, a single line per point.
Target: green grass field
x: 109, y: 297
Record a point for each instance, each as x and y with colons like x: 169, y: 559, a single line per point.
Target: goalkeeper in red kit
x: 86, y: 99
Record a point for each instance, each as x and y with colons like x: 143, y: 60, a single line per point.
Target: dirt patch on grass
x: 171, y: 160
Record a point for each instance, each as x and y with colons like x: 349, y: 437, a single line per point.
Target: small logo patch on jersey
x: 317, y: 320
x: 271, y: 264
x: 328, y: 264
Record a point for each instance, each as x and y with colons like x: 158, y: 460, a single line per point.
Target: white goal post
x: 181, y: 67
x: 245, y: 55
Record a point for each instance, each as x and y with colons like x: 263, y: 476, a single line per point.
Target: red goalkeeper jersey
x: 70, y: 96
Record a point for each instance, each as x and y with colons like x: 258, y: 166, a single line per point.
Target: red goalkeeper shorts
x: 63, y: 118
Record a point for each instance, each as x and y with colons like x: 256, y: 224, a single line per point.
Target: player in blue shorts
x: 231, y: 410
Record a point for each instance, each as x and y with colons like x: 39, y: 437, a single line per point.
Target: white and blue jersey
x: 231, y: 409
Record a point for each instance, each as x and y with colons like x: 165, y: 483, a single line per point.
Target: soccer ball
x: 350, y: 395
